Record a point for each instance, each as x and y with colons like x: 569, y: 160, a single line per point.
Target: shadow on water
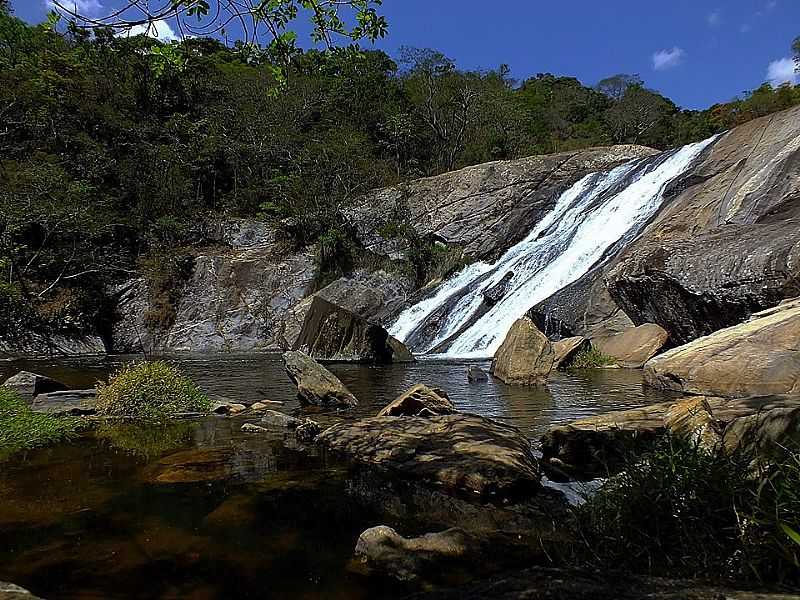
x: 201, y: 510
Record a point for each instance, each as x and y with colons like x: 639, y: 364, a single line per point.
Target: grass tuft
x: 591, y: 358
x: 153, y: 391
x: 22, y: 429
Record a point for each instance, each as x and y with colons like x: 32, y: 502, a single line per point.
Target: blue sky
x: 696, y: 52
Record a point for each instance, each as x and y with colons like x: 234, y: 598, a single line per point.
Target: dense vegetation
x: 150, y: 391
x: 22, y: 429
x: 115, y: 150
x: 682, y: 511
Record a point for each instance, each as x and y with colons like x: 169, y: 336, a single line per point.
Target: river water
x: 201, y: 510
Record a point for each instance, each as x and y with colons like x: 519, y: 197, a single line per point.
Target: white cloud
x: 82, y: 7
x: 157, y: 29
x: 714, y: 19
x: 782, y: 71
x: 668, y: 59
x: 745, y: 28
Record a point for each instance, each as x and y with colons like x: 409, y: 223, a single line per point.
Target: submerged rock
x: 420, y: 400
x: 384, y: 550
x: 331, y: 332
x: 315, y: 384
x: 633, y: 347
x: 526, y: 356
x: 456, y: 451
x: 30, y: 385
x: 760, y: 356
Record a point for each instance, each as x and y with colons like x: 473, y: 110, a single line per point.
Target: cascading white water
x: 586, y: 221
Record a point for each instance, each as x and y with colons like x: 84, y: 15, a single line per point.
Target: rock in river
x: 30, y: 385
x: 315, y: 384
x: 457, y: 451
x: 9, y: 591
x: 760, y: 356
x: 419, y: 401
x: 331, y: 332
x: 633, y: 347
x: 526, y: 356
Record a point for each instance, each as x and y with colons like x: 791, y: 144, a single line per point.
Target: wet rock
x: 486, y: 208
x: 760, y: 356
x: 227, y: 408
x: 278, y: 419
x: 567, y: 348
x: 265, y: 405
x: 315, y: 384
x: 253, y: 428
x: 456, y: 451
x: 30, y: 385
x: 498, y: 291
x: 384, y: 550
x: 9, y: 591
x: 526, y: 356
x: 632, y: 348
x: 307, y: 431
x: 72, y: 402
x: 420, y: 400
x: 331, y: 332
x: 476, y: 375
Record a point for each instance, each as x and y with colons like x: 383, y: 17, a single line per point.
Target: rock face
x: 761, y: 356
x: 419, y: 401
x: 728, y: 243
x: 30, y: 385
x: 632, y: 348
x: 315, y: 384
x: 596, y: 446
x: 486, y: 208
x: 331, y: 332
x: 383, y: 549
x: 458, y: 452
x: 526, y: 356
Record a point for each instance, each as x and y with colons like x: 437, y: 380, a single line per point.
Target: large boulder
x: 458, y: 451
x: 331, y: 332
x: 486, y: 208
x: 29, y: 385
x: 728, y: 242
x: 760, y: 356
x: 315, y: 384
x: 526, y: 356
x: 566, y: 349
x: 419, y: 401
x: 633, y: 347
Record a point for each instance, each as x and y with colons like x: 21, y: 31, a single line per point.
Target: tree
x: 5, y: 7
x: 796, y: 50
x: 615, y: 86
x: 258, y: 22
x: 637, y: 114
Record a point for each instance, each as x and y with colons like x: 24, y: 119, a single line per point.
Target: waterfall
x: 599, y: 212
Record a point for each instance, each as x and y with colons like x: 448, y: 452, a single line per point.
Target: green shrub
x: 681, y: 511
x: 23, y: 429
x: 591, y: 358
x: 150, y: 391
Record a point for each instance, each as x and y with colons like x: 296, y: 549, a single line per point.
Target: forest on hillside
x: 113, y: 149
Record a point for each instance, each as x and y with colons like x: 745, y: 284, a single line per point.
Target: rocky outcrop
x: 486, y: 208
x: 419, y: 401
x: 29, y: 385
x: 457, y: 452
x: 728, y: 242
x: 760, y: 356
x: 633, y: 347
x: 315, y: 384
x: 331, y: 332
x: 526, y: 356
x: 597, y: 446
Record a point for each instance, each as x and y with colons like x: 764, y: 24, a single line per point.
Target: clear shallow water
x: 201, y: 510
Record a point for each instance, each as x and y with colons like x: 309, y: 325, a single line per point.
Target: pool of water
x: 198, y: 509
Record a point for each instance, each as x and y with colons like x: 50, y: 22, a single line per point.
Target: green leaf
x: 791, y: 533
